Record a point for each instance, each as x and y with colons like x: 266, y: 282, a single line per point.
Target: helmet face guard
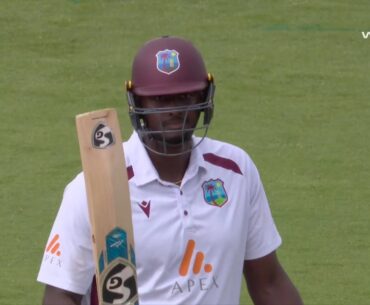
x: 170, y: 66
x: 139, y: 114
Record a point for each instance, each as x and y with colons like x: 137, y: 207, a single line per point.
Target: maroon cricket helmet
x: 168, y: 65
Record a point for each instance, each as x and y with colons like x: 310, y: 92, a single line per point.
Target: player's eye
x: 177, y: 99
x: 189, y: 98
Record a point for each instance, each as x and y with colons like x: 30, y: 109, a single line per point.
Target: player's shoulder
x: 77, y: 180
x: 76, y: 186
x: 74, y: 199
x: 220, y: 151
x: 222, y: 145
x: 224, y: 148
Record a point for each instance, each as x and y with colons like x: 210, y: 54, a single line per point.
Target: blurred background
x: 293, y: 90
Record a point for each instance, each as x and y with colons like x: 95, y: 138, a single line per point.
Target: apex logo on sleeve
x: 53, y: 246
x: 53, y: 252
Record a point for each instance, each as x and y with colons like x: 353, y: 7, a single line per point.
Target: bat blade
x: 109, y: 204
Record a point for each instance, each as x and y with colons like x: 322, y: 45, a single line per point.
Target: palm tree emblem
x: 214, y: 192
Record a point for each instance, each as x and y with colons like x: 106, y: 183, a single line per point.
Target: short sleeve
x: 68, y: 258
x: 262, y: 235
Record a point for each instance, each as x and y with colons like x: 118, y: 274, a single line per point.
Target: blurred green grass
x: 292, y: 89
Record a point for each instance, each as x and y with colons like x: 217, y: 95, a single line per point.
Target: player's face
x: 172, y: 123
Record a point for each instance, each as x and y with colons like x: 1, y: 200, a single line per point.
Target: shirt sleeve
x: 262, y: 235
x: 68, y: 258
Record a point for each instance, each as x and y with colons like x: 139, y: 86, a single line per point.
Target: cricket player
x: 200, y: 214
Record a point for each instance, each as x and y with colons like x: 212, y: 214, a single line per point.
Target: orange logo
x: 199, y: 258
x: 53, y: 246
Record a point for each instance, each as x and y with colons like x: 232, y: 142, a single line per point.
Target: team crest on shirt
x: 168, y: 61
x: 214, y: 192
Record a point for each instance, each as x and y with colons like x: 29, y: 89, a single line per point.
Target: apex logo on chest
x: 214, y: 192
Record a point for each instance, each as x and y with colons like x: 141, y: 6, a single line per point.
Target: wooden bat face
x: 109, y: 206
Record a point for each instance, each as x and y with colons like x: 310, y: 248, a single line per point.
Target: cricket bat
x: 109, y: 204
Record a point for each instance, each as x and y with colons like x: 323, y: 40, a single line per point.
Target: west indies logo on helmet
x: 170, y: 68
x: 168, y: 61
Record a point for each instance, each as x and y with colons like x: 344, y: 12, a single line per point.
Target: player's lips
x: 174, y: 124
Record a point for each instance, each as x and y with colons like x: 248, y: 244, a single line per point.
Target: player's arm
x: 57, y: 296
x: 268, y: 284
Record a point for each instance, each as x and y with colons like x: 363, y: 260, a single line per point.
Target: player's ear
x: 204, y: 95
x: 138, y: 100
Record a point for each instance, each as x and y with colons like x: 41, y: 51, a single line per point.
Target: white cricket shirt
x: 191, y: 241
